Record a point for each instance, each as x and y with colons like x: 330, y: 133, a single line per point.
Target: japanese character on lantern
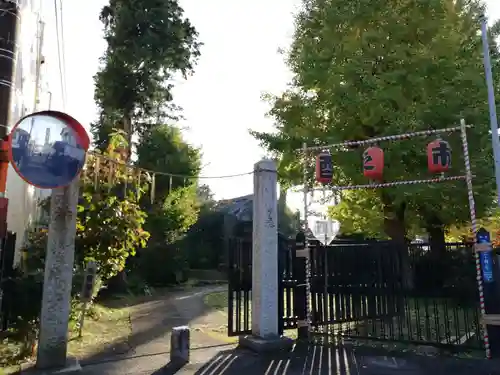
x: 324, y: 168
x: 438, y: 156
x: 373, y: 163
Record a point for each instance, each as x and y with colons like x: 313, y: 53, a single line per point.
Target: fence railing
x: 399, y: 293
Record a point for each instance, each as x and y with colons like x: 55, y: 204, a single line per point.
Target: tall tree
x: 163, y: 149
x: 149, y: 42
x: 371, y: 68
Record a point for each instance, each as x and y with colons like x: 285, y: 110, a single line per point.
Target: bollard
x: 179, y: 345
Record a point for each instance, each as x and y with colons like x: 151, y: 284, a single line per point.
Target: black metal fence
x: 240, y: 285
x: 382, y: 291
x: 375, y: 290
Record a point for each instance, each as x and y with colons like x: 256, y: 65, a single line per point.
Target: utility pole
x: 491, y: 102
x: 9, y: 21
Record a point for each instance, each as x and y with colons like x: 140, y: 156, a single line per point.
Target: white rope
x: 370, y: 141
x: 397, y: 183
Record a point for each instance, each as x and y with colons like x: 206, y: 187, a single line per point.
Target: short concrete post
x: 179, y: 345
x: 265, y: 321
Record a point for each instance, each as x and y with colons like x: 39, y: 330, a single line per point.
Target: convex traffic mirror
x: 48, y: 149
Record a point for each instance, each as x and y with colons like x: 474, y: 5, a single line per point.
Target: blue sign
x: 486, y: 266
x: 483, y: 237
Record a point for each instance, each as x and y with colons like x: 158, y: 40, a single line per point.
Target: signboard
x: 486, y: 258
x: 325, y: 230
x: 88, y: 282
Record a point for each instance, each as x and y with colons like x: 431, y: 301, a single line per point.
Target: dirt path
x: 148, y: 346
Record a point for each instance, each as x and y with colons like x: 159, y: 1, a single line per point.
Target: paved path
x: 147, y: 351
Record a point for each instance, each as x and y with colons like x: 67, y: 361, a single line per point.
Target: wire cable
x: 63, y: 50
x: 150, y: 171
x: 63, y: 94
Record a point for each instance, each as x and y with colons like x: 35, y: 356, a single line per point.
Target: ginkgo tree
x: 364, y: 69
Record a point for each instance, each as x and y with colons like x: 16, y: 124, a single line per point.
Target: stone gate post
x: 265, y: 313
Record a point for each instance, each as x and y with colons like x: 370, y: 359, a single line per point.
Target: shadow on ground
x: 303, y: 359
x: 338, y: 360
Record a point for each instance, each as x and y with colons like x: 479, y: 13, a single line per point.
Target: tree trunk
x: 395, y: 228
x: 127, y: 127
x: 437, y: 242
x: 394, y: 220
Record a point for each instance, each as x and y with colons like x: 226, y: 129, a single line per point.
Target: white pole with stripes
x: 472, y: 207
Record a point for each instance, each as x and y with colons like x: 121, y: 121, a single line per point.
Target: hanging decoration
x: 373, y: 163
x: 438, y: 156
x: 324, y: 167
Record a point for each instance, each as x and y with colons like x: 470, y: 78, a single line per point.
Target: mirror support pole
x: 53, y: 341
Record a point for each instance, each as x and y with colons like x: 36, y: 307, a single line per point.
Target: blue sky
x: 221, y: 101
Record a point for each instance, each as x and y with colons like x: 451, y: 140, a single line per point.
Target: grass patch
x: 217, y: 300
x: 11, y: 356
x: 103, y: 328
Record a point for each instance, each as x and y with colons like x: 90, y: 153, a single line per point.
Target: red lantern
x: 373, y: 163
x: 438, y: 156
x: 324, y: 168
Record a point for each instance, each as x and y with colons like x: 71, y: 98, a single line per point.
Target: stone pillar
x: 265, y: 287
x: 52, y: 347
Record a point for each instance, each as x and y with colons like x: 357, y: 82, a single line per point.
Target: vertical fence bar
x: 300, y: 303
x: 472, y: 208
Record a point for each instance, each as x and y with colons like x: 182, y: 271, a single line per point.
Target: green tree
x: 163, y: 149
x: 110, y: 222
x: 365, y: 69
x: 174, y: 206
x: 149, y: 42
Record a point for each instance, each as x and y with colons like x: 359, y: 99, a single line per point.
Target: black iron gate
x: 240, y: 285
x: 366, y: 290
x: 355, y: 281
x: 386, y: 291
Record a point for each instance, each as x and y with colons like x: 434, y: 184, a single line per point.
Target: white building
x: 30, y: 91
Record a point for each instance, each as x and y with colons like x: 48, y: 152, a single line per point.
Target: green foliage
x: 163, y: 149
x: 359, y: 213
x: 110, y: 220
x: 171, y: 220
x: 149, y: 42
x: 365, y: 69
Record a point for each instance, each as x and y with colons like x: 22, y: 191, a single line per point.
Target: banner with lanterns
x: 438, y: 161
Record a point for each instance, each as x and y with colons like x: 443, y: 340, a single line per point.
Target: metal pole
x: 491, y: 102
x: 472, y: 207
x: 305, y: 191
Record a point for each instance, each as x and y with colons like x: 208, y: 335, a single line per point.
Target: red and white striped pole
x: 472, y: 207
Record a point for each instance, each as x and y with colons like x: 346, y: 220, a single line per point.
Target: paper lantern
x: 373, y: 163
x: 438, y: 156
x: 324, y: 168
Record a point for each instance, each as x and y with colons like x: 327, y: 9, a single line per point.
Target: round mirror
x: 48, y: 149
